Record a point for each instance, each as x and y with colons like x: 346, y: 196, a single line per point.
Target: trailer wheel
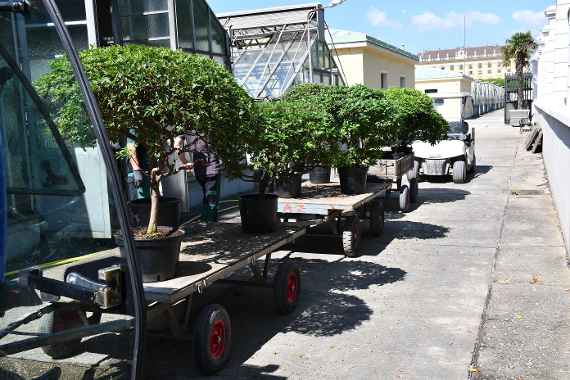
x: 212, y: 339
x: 459, y: 172
x: 405, y: 199
x: 376, y: 218
x: 414, y: 190
x: 287, y: 288
x: 63, y: 318
x: 415, y: 171
x: 351, y: 236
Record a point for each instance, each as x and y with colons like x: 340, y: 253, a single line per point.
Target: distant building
x: 458, y: 96
x: 484, y: 62
x: 367, y: 60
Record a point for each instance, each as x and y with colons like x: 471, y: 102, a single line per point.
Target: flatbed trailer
x: 403, y: 172
x: 336, y: 215
x: 212, y: 254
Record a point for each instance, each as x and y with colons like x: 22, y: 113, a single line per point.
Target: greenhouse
x: 273, y: 49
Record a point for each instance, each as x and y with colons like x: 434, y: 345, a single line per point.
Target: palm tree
x: 519, y: 47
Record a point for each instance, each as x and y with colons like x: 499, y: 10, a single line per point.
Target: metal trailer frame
x: 106, y: 294
x: 336, y: 215
x: 403, y: 172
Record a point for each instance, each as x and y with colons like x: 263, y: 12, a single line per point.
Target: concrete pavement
x: 472, y: 283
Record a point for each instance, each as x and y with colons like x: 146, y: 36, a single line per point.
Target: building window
x: 452, y: 67
x: 489, y: 71
x: 480, y: 65
x: 438, y: 101
x: 470, y: 66
x: 480, y: 72
x: 402, y: 82
x: 431, y: 91
x: 499, y: 71
x: 384, y: 80
x: 471, y: 72
x: 489, y: 65
x: 460, y: 67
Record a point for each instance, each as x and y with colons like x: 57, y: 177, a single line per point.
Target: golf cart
x: 455, y: 156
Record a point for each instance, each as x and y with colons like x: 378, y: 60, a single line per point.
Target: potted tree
x: 153, y: 96
x: 286, y: 140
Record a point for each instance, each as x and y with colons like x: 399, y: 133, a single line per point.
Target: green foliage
x: 519, y: 47
x: 290, y: 136
x: 152, y: 95
x: 413, y: 117
x: 358, y: 121
x: 365, y: 120
x: 496, y: 81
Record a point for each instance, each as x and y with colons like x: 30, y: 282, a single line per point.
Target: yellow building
x: 485, y: 62
x: 366, y: 60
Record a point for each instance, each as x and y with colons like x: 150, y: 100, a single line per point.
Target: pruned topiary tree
x: 152, y: 95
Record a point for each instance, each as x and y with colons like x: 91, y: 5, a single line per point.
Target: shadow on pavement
x: 425, y: 196
x: 323, y: 310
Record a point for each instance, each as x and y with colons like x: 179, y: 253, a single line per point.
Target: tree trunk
x: 520, y: 86
x: 154, y: 202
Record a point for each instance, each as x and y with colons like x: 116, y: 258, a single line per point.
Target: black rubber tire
x: 286, y: 297
x: 63, y: 318
x: 376, y: 219
x: 474, y: 166
x: 208, y: 359
x: 351, y: 236
x: 414, y: 190
x: 460, y: 172
x: 405, y: 199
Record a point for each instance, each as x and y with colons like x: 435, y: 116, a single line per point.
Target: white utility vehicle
x: 455, y: 156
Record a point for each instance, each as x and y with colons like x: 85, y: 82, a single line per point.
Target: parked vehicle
x: 454, y: 156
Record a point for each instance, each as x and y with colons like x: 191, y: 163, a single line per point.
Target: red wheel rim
x: 218, y: 339
x: 292, y: 288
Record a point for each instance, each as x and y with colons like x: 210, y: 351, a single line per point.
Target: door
x: 48, y: 215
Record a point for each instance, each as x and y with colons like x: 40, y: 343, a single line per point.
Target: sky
x: 419, y: 25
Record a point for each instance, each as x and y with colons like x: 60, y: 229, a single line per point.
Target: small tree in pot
x: 287, y: 138
x: 153, y: 95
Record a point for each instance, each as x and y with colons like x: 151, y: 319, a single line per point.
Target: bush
x: 153, y: 95
x: 358, y: 115
x: 291, y: 136
x: 413, y: 117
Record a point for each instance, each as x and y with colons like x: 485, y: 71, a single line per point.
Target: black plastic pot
x: 169, y: 212
x: 320, y: 175
x: 289, y: 187
x: 157, y: 258
x: 353, y: 180
x: 259, y: 213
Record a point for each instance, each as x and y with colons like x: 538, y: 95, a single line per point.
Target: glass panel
x: 201, y: 21
x: 136, y: 7
x: 58, y: 208
x: 70, y: 11
x: 146, y: 28
x: 184, y: 22
x: 218, y: 37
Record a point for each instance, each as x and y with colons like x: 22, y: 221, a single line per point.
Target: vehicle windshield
x: 59, y: 209
x: 457, y: 127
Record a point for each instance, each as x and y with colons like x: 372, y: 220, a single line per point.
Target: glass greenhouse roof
x: 274, y: 49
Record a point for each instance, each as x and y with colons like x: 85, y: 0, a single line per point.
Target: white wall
x: 552, y: 106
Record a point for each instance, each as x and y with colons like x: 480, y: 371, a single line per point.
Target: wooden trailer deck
x: 327, y: 198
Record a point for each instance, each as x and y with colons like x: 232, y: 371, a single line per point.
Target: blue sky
x: 423, y: 24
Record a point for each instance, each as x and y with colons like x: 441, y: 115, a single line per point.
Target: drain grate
x: 527, y: 192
